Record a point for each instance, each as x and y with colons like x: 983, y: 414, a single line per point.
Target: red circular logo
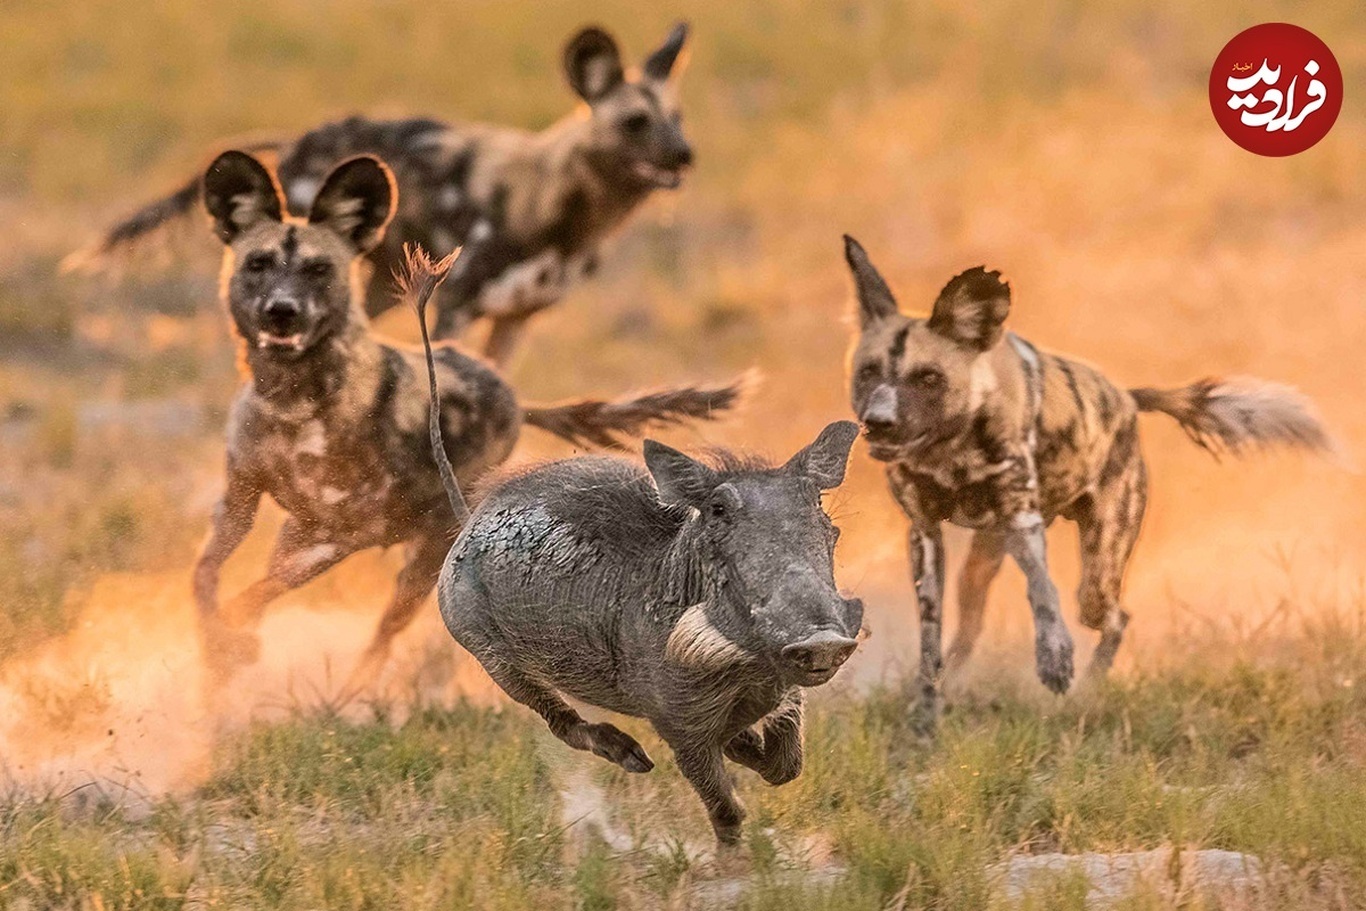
x: 1275, y: 89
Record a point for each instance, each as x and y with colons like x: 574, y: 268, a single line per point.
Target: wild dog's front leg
x: 775, y: 750
x: 1026, y: 543
x: 415, y: 581
x: 298, y: 558
x: 927, y: 571
x: 232, y: 520
x: 506, y: 332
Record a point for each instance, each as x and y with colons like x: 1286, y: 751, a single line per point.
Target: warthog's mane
x: 612, y: 500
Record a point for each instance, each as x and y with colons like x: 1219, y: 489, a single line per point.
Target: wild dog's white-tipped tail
x: 418, y: 280
x: 1236, y: 414
x: 593, y: 422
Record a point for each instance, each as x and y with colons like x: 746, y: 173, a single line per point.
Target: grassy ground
x: 466, y: 807
x: 1069, y: 144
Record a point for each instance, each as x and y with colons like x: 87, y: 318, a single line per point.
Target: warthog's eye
x: 927, y: 378
x: 258, y: 262
x: 635, y: 124
x: 718, y: 510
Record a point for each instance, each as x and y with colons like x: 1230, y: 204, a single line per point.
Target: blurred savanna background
x: 1068, y: 144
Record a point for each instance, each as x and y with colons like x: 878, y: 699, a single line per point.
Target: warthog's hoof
x: 1053, y: 654
x: 615, y: 745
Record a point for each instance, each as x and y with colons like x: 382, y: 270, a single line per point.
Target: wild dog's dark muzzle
x: 881, y: 421
x: 282, y: 324
x: 678, y: 156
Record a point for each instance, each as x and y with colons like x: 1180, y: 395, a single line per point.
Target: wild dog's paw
x: 925, y: 717
x: 1053, y: 657
x: 226, y: 649
x: 615, y: 745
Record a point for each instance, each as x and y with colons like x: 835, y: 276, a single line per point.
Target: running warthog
x: 701, y: 597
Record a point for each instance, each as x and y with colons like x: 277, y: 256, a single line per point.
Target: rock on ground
x: 1165, y: 872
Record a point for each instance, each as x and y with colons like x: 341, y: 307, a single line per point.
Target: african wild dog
x: 701, y: 597
x: 981, y: 429
x: 332, y: 423
x: 529, y: 208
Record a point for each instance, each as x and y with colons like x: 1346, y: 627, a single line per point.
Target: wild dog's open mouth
x: 293, y: 342
x: 885, y: 450
x: 663, y: 178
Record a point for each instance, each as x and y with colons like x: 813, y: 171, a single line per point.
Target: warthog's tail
x: 149, y: 220
x: 597, y: 423
x: 418, y: 280
x: 1236, y: 414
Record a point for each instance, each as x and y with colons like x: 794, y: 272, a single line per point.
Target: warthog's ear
x: 824, y: 461
x: 875, y: 299
x: 239, y: 192
x: 592, y: 63
x: 356, y: 201
x: 678, y: 478
x: 660, y: 64
x: 972, y: 308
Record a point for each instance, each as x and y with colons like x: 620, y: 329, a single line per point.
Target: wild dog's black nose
x: 879, y: 415
x: 824, y: 651
x: 878, y: 425
x: 682, y: 156
x: 282, y: 310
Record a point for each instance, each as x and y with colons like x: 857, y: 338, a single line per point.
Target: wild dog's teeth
x: 657, y: 175
x: 269, y: 340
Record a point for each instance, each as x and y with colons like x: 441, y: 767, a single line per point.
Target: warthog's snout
x: 819, y: 656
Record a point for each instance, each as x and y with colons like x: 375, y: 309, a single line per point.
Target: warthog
x: 699, y: 596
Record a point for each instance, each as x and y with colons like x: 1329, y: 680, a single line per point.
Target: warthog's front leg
x: 927, y: 570
x: 702, y: 765
x: 1052, y: 642
x: 775, y: 751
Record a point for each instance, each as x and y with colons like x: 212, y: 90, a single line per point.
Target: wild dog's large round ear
x: 356, y: 201
x: 875, y: 299
x: 660, y: 64
x: 238, y: 193
x: 972, y: 309
x: 824, y: 461
x: 592, y: 63
x: 680, y: 479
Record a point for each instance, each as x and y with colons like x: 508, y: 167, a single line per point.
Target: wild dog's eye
x: 869, y: 372
x: 258, y: 262
x: 636, y: 123
x: 927, y: 378
x: 318, y: 269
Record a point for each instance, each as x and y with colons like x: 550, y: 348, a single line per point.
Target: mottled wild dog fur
x: 531, y: 209
x: 699, y: 596
x: 332, y: 422
x: 980, y: 428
